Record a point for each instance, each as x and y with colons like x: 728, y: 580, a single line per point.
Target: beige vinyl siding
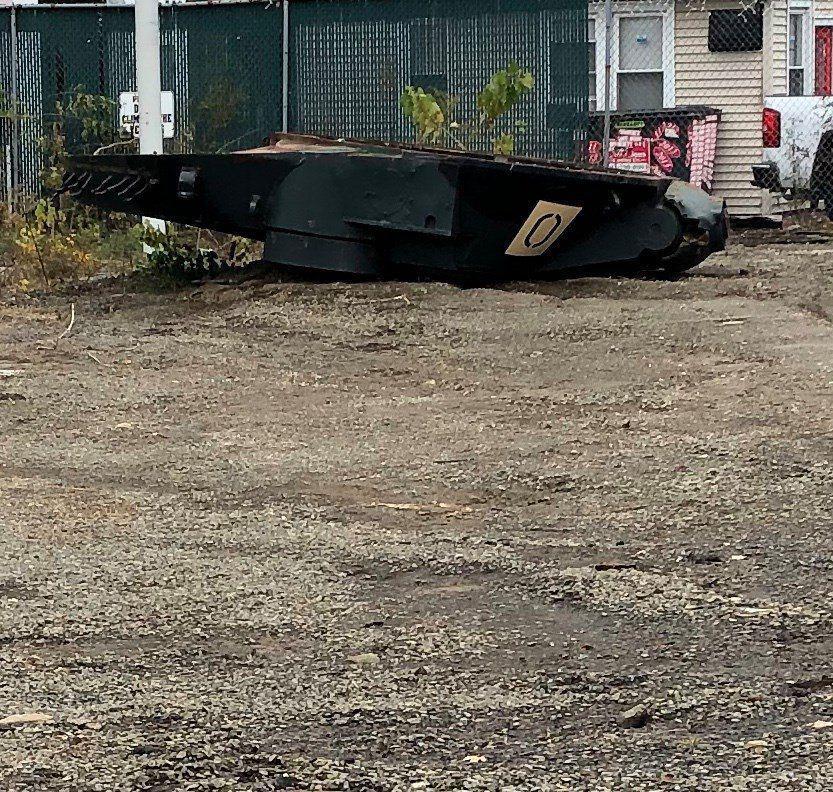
x: 775, y: 47
x: 732, y: 82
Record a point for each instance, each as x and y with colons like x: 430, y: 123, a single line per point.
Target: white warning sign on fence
x: 129, y: 113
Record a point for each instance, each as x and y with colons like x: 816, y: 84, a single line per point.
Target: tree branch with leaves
x: 432, y: 112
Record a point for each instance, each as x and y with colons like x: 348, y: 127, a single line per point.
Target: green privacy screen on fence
x: 222, y: 63
x: 349, y: 61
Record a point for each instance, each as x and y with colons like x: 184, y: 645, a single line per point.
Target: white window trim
x: 808, y: 43
x: 818, y: 20
x: 597, y: 20
x: 592, y: 24
x: 621, y: 9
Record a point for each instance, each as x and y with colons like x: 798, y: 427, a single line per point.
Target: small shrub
x: 425, y: 111
x: 183, y: 255
x: 49, y: 246
x: 432, y: 112
x: 503, y: 92
x: 56, y: 240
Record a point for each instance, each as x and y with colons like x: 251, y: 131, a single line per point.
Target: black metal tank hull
x: 371, y: 209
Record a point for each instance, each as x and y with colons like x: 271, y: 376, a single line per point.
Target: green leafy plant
x: 53, y: 145
x: 504, y: 145
x: 55, y: 239
x: 82, y: 124
x: 432, y: 112
x: 425, y: 112
x: 48, y: 245
x: 216, y: 114
x: 7, y: 106
x: 503, y: 92
x: 177, y: 257
x: 95, y: 114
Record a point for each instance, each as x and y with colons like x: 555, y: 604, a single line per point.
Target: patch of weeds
x: 48, y: 246
x: 183, y: 255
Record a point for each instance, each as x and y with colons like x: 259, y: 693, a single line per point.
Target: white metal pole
x: 149, y: 87
x: 14, y: 159
x: 285, y: 67
x: 148, y: 76
x: 608, y: 52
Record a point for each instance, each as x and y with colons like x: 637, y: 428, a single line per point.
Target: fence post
x: 14, y: 181
x: 148, y: 76
x: 149, y: 88
x: 285, y: 66
x: 608, y: 50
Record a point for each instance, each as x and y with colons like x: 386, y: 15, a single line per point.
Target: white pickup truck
x: 798, y: 149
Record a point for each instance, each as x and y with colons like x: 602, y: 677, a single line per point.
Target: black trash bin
x: 679, y: 142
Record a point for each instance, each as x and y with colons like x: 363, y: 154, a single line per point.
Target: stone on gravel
x: 367, y: 659
x: 635, y: 718
x: 756, y: 744
x: 24, y: 719
x: 819, y: 725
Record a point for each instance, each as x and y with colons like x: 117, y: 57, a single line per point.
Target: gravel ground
x: 276, y: 534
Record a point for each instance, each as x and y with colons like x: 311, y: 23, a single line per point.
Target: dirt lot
x: 277, y: 534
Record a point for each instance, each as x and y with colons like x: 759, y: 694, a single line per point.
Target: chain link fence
x: 731, y: 95
x: 352, y: 60
x: 68, y: 76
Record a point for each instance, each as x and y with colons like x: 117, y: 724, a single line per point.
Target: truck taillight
x: 772, y: 128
